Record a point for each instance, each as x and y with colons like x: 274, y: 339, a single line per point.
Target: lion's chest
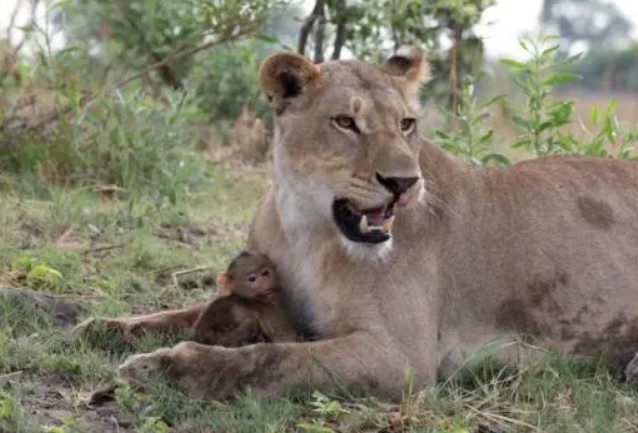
x: 311, y: 303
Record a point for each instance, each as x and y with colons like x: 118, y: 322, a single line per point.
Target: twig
x: 12, y: 20
x: 634, y: 427
x: 454, y: 74
x: 163, y: 269
x: 168, y: 75
x: 108, y: 189
x: 34, y: 9
x: 64, y: 236
x: 102, y: 248
x: 501, y: 418
x: 7, y: 377
x: 188, y: 271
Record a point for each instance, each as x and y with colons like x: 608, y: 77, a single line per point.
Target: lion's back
x: 549, y: 247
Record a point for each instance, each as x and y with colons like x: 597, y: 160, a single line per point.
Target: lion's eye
x: 346, y: 122
x: 407, y: 125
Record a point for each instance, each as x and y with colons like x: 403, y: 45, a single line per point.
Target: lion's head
x: 346, y: 144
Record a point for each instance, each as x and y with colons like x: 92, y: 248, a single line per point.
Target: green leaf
x: 267, y: 38
x: 492, y: 101
x: 561, y: 113
x: 594, y: 114
x: 510, y: 63
x: 560, y: 78
x: 314, y: 428
x: 524, y: 44
x: 522, y: 142
x: 44, y: 276
x: 521, y: 123
x: 6, y: 405
x: 611, y: 107
x: 486, y: 138
x: 550, y: 50
x: 496, y: 158
x: 480, y: 119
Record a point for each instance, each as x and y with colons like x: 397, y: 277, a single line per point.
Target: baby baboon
x: 250, y: 311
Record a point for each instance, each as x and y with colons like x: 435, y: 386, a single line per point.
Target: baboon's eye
x: 346, y: 122
x: 252, y: 278
x: 265, y: 272
x: 408, y: 124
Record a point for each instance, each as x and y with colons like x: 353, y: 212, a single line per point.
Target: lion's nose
x: 397, y: 185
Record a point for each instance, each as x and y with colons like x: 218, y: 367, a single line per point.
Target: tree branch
x: 320, y: 34
x: 168, y: 59
x: 167, y: 74
x: 342, y: 30
x: 12, y: 20
x: 454, y: 70
x: 307, y: 26
x: 18, y: 47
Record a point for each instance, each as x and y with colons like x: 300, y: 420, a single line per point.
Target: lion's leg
x: 370, y: 363
x: 164, y: 321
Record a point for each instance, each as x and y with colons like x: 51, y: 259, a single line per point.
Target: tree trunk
x: 307, y: 26
x: 342, y: 31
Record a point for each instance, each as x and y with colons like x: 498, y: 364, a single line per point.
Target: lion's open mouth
x: 363, y: 225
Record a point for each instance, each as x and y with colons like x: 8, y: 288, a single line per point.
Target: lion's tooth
x: 363, y: 224
x: 387, y: 224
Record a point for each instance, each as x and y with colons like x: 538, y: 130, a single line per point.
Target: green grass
x: 117, y: 254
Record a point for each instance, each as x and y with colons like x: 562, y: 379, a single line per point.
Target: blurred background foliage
x: 131, y: 94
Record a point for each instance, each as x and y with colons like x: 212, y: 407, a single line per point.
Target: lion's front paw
x: 138, y: 368
x: 199, y: 371
x: 88, y: 327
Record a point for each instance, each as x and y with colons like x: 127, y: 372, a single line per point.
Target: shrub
x: 130, y: 141
x: 227, y: 80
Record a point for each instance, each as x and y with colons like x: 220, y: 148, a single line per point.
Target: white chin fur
x: 362, y: 251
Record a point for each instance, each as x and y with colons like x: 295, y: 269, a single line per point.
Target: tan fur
x: 546, y: 248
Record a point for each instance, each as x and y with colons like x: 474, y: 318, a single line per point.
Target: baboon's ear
x: 286, y: 75
x: 223, y: 284
x: 410, y: 68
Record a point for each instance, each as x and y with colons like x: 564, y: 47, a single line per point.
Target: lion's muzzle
x: 363, y: 225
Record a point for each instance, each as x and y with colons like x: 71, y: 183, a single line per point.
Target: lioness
x: 399, y: 256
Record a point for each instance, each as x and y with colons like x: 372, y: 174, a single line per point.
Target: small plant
x: 55, y: 429
x: 608, y: 138
x: 470, y: 138
x: 537, y: 79
x: 542, y: 123
x: 314, y: 428
x: 329, y: 410
x: 153, y: 425
x: 13, y: 418
x: 38, y: 274
x: 327, y: 407
x: 44, y: 277
x: 6, y: 406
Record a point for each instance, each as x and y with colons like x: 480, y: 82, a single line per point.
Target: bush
x: 130, y: 140
x: 227, y: 80
x: 541, y: 120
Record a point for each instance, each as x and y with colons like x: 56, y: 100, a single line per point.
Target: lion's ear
x: 286, y: 75
x: 410, y: 68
